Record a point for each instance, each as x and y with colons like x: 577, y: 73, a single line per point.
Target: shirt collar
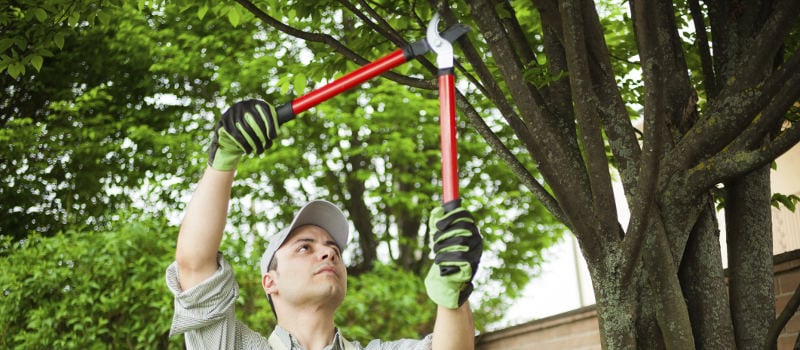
x: 288, y: 339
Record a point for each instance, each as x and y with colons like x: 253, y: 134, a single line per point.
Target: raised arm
x: 201, y: 230
x: 458, y: 247
x: 454, y: 329
x: 246, y: 127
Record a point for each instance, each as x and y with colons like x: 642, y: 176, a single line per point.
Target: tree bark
x: 703, y: 284
x: 748, y: 222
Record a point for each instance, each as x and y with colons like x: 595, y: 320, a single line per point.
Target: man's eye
x: 303, y: 248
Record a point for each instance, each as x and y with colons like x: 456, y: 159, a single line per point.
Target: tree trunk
x: 616, y: 309
x: 408, y: 225
x: 360, y: 215
x: 703, y: 284
x: 748, y: 221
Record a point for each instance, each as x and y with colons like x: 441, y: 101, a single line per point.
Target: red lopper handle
x: 447, y: 126
x: 288, y: 111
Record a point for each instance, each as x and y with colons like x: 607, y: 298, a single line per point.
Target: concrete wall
x: 579, y: 329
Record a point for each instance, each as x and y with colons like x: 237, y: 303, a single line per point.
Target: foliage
x: 117, y: 113
x: 82, y: 290
x: 88, y: 290
x: 80, y: 138
x: 788, y: 201
x: 391, y: 302
x: 35, y: 30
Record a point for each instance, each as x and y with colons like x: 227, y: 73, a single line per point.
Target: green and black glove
x: 457, y: 246
x: 246, y: 127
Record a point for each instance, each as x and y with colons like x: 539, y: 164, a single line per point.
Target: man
x: 302, y: 270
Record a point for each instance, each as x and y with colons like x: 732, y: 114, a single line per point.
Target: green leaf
x: 58, y: 39
x: 234, y: 17
x: 21, y: 42
x: 104, y: 17
x: 40, y: 14
x: 5, y: 44
x: 284, y: 84
x: 37, y: 61
x: 299, y: 83
x: 201, y: 12
x: 16, y: 69
x: 74, y: 19
x: 790, y: 201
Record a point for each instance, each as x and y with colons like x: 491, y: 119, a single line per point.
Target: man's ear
x: 268, y: 283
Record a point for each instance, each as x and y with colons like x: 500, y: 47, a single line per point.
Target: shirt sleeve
x: 402, y: 344
x: 205, y: 313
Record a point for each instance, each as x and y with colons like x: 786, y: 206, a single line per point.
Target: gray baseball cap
x: 318, y: 213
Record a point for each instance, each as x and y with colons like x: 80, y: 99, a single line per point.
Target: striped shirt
x: 205, y: 315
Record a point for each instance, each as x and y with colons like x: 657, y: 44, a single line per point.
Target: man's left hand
x: 458, y: 247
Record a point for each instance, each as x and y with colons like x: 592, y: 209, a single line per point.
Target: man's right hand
x: 246, y: 127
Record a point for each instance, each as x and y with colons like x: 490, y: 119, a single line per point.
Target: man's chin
x: 329, y: 285
x: 336, y: 294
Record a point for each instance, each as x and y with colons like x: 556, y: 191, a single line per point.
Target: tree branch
x: 505, y: 57
x: 585, y: 104
x: 777, y: 326
x: 557, y: 93
x: 738, y: 157
x: 516, y: 37
x: 664, y: 72
x: 735, y: 112
x: 495, y: 94
x: 730, y: 164
x: 492, y: 90
x: 642, y: 202
x: 514, y: 164
x: 555, y: 148
x: 772, y: 115
x: 763, y: 47
x: 381, y: 26
x: 661, y: 59
x: 665, y: 82
x: 706, y: 62
x: 475, y: 60
x: 741, y: 100
x: 332, y: 43
x: 617, y: 125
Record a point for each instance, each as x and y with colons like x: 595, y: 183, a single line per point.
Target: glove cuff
x: 439, y: 291
x: 452, y: 205
x: 224, y: 164
x: 221, y: 160
x: 444, y: 292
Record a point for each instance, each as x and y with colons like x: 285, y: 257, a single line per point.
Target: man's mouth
x: 326, y: 269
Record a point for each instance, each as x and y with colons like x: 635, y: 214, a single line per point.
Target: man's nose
x: 327, y: 253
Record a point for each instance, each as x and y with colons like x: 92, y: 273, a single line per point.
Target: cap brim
x: 326, y: 215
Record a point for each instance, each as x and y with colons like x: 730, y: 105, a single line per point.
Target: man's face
x: 310, y: 269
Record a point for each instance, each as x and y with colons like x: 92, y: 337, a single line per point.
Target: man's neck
x: 313, y: 330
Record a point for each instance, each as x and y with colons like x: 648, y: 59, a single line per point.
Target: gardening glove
x: 246, y: 127
x: 457, y: 246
